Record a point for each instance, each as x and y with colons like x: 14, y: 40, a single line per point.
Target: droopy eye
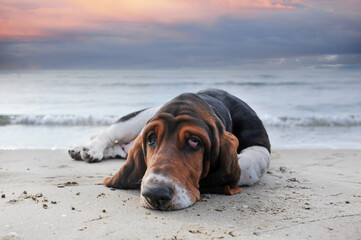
x: 194, y: 143
x: 152, y: 140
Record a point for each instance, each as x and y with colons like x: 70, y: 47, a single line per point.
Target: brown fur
x: 212, y: 168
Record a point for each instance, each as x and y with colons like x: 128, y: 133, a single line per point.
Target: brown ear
x: 131, y: 173
x: 226, y: 173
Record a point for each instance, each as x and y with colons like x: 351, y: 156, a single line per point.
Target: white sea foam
x: 89, y: 120
x: 57, y: 120
x: 313, y: 121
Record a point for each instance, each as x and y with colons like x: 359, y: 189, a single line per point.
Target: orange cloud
x: 20, y: 20
x: 171, y: 11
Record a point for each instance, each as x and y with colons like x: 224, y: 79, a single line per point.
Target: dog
x: 209, y: 142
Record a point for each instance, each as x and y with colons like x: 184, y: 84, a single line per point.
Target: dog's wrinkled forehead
x: 173, y: 121
x: 186, y: 108
x: 171, y: 125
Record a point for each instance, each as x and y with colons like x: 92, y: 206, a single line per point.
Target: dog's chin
x: 169, y: 207
x: 146, y: 204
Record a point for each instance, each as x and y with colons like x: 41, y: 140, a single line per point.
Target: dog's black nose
x: 158, y: 196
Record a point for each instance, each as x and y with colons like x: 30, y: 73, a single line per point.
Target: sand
x: 307, y: 194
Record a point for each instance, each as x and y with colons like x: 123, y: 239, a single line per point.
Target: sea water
x: 61, y: 108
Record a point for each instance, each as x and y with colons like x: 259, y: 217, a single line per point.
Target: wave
x: 259, y: 84
x: 201, y: 83
x: 89, y: 120
x: 57, y: 120
x: 314, y: 121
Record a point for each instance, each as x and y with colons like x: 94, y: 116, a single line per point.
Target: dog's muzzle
x: 159, y: 197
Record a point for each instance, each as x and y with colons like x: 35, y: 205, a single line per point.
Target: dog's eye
x: 194, y: 143
x: 152, y: 140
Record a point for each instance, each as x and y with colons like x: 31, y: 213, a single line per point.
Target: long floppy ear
x: 226, y: 175
x: 131, y: 173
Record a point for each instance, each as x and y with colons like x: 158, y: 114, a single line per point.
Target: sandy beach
x: 307, y: 194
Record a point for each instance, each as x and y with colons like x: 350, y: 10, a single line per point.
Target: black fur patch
x: 130, y: 115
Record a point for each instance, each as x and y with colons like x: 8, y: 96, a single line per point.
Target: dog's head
x: 183, y: 149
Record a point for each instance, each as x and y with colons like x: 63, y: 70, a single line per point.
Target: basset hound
x: 209, y: 142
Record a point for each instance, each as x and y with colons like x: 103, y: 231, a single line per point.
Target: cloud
x: 128, y: 34
x: 23, y: 21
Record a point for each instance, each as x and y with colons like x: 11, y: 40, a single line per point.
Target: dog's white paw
x: 74, y: 152
x: 254, y: 163
x: 86, y: 153
x: 249, y: 175
x: 91, y: 154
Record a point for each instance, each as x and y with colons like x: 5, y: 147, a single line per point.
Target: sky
x: 121, y: 34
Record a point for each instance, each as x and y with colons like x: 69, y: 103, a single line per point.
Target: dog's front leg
x: 125, y: 130
x: 94, y: 150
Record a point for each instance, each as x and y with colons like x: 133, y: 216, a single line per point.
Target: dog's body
x: 210, y: 141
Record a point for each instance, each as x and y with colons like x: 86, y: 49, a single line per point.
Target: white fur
x: 118, y: 133
x: 128, y: 146
x: 180, y: 198
x: 118, y: 150
x: 254, y: 162
x: 114, y: 151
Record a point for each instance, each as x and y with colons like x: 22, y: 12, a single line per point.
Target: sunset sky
x: 118, y: 34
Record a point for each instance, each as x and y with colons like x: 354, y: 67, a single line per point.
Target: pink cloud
x: 20, y: 20
x: 41, y: 19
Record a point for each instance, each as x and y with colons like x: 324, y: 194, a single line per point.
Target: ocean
x: 56, y: 109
